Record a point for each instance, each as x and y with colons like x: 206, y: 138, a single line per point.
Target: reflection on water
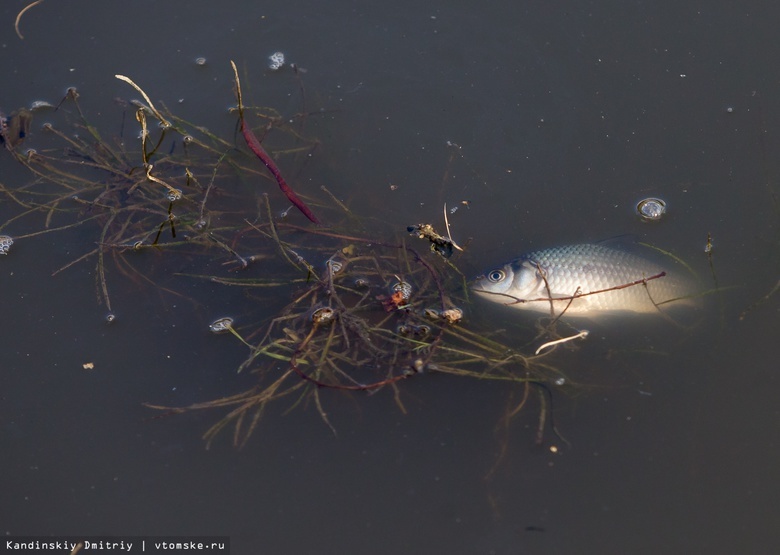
x: 559, y: 134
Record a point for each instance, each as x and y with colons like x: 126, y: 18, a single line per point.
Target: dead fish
x: 584, y: 280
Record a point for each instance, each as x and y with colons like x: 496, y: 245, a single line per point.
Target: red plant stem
x: 254, y: 145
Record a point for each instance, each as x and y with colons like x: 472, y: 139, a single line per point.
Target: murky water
x: 552, y: 123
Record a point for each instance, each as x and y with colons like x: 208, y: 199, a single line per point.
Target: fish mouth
x: 474, y: 285
x: 503, y: 298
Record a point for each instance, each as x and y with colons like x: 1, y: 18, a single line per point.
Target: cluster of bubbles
x: 277, y: 60
x: 5, y: 244
x: 404, y: 288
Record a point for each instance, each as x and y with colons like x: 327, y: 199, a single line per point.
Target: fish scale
x: 545, y: 281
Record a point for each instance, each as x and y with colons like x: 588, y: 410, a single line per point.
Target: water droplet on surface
x: 651, y: 209
x: 110, y: 317
x: 201, y: 61
x: 222, y: 325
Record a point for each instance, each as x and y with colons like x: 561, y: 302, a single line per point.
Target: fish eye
x: 496, y: 275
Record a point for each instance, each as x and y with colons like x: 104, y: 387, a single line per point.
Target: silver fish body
x: 584, y: 280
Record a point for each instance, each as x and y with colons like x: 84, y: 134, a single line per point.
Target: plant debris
x: 365, y: 313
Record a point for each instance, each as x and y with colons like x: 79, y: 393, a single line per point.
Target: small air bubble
x: 651, y: 209
x: 201, y: 61
x: 110, y: 317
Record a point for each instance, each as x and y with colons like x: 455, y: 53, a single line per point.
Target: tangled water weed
x: 377, y: 312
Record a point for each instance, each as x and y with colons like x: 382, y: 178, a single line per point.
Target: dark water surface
x: 566, y: 114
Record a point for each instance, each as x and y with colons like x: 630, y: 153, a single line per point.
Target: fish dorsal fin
x: 626, y: 242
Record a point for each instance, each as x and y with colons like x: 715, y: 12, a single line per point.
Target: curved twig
x: 20, y: 14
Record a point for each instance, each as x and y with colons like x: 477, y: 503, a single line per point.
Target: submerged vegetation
x: 378, y: 312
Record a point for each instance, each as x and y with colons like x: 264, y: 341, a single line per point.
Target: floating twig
x: 149, y: 103
x: 447, y: 224
x: 20, y: 14
x: 583, y: 334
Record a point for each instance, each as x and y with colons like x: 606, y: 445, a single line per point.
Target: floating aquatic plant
x: 366, y: 312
